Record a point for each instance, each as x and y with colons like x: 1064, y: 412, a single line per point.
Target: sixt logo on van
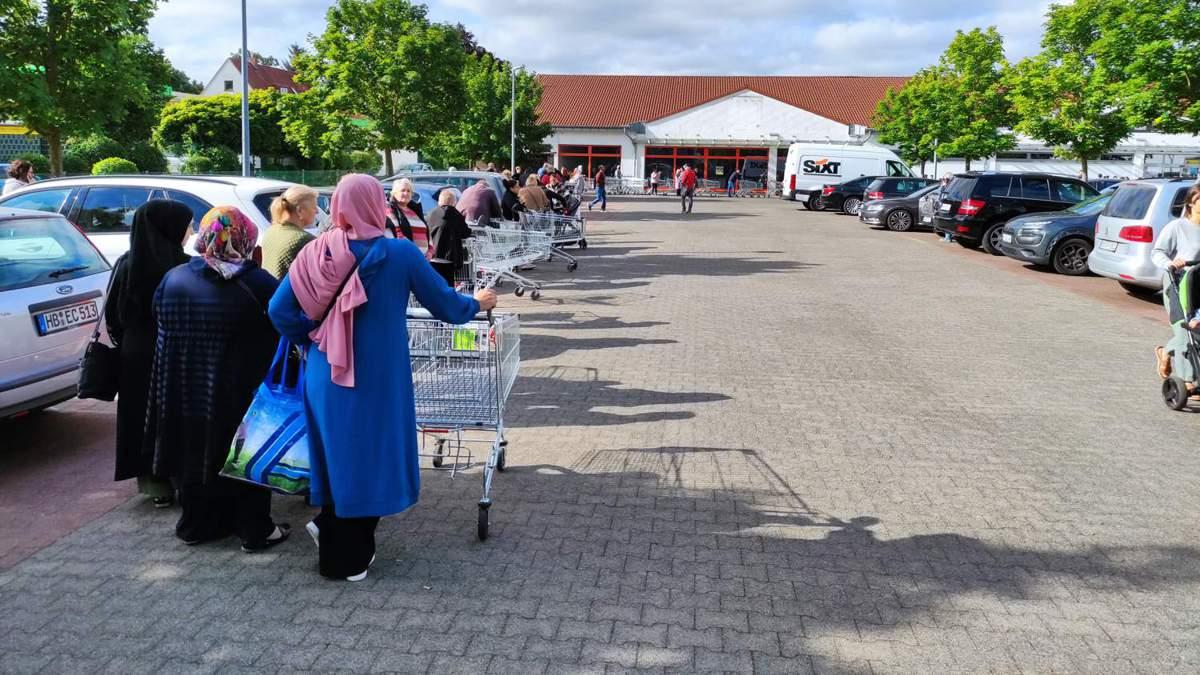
x: 822, y: 167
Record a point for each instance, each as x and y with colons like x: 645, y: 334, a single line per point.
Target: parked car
x: 1102, y: 183
x: 891, y: 186
x: 1128, y: 226
x: 899, y: 214
x: 846, y: 196
x: 458, y: 179
x: 1060, y: 239
x: 811, y: 166
x: 976, y: 205
x: 52, y: 285
x: 102, y: 206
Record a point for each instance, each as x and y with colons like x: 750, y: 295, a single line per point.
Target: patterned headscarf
x: 226, y: 239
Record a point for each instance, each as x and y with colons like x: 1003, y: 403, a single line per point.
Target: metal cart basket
x: 462, y: 376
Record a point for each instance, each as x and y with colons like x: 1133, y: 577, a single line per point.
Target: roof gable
x: 617, y: 100
x: 268, y: 77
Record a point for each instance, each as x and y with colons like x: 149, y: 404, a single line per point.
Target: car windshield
x: 924, y: 191
x: 1130, y: 202
x: 36, y: 251
x: 1089, y: 206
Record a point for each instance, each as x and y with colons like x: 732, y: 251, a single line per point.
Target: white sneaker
x: 362, y: 575
x: 314, y: 532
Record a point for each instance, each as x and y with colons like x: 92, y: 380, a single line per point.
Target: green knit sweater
x: 280, y: 245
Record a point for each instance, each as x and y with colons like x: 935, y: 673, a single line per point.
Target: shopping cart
x: 462, y: 376
x: 562, y: 230
x: 497, y: 253
x: 749, y: 188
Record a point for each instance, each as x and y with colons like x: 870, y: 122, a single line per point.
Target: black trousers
x: 223, y: 507
x: 347, y: 544
x: 685, y: 201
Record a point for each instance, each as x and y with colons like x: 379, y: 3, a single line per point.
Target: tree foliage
x: 113, y: 165
x: 69, y: 66
x: 916, y: 117
x: 483, y: 132
x: 314, y: 126
x: 973, y: 71
x: 197, y: 124
x: 385, y: 61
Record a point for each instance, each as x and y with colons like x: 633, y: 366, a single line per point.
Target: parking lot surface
x: 754, y: 438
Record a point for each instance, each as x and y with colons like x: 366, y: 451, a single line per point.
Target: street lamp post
x: 246, y: 167
x: 512, y: 157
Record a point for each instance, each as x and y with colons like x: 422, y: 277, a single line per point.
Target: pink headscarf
x: 359, y: 212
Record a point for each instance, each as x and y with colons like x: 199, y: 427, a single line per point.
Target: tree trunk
x: 923, y: 167
x: 54, y: 140
x: 387, y: 161
x: 967, y: 164
x: 1084, y: 162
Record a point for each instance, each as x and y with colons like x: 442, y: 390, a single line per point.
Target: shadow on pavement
x: 546, y: 346
x: 582, y: 321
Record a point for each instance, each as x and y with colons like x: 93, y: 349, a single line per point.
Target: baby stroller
x: 1182, y: 293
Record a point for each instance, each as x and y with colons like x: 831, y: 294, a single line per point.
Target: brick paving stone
x: 806, y: 447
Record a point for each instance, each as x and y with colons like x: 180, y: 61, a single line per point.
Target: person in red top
x: 687, y: 183
x: 601, y: 194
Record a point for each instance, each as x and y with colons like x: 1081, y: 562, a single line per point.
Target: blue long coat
x: 363, y: 439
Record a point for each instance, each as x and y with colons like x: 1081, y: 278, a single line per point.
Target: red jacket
x: 688, y: 179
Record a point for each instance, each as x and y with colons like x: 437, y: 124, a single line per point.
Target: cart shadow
x: 557, y: 396
x: 656, y: 265
x: 539, y: 346
x: 582, y: 321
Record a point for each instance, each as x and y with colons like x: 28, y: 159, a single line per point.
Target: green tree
x: 113, y: 165
x: 973, y: 69
x: 1066, y: 98
x: 483, y: 132
x: 195, y: 124
x: 317, y: 130
x: 384, y: 60
x: 916, y: 117
x: 144, y: 103
x: 69, y: 66
x: 294, y: 50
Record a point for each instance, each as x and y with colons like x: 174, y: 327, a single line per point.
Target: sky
x: 726, y: 37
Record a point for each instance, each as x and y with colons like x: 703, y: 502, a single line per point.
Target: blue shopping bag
x: 270, y: 447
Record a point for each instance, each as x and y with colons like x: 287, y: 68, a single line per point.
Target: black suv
x: 846, y: 196
x: 976, y: 205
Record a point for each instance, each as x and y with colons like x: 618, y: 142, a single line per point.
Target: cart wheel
x: 483, y: 521
x: 519, y: 291
x: 583, y: 244
x: 500, y: 463
x: 571, y: 267
x: 1174, y: 393
x: 498, y: 283
x: 535, y: 295
x: 440, y: 450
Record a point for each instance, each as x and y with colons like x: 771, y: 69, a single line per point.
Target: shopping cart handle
x: 421, y: 313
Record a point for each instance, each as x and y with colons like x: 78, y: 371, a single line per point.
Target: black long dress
x: 447, y: 230
x: 156, y: 245
x: 215, y: 345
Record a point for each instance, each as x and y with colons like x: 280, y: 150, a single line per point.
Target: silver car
x: 1128, y: 226
x: 52, y: 285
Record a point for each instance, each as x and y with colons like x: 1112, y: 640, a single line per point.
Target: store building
x: 643, y: 122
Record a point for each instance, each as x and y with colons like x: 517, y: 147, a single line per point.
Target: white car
x: 102, y: 206
x: 52, y: 285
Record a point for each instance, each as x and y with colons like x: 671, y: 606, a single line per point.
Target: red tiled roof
x: 617, y: 100
x: 265, y: 77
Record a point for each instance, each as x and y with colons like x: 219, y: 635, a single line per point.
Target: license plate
x: 1006, y: 238
x: 944, y: 207
x: 926, y: 219
x: 66, y: 317
x: 1110, y: 246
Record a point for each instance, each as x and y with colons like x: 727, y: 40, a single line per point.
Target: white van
x: 810, y: 166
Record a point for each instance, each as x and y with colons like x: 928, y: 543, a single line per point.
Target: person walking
x: 601, y: 197
x: 20, y: 174
x: 291, y: 213
x: 732, y: 183
x: 160, y: 228
x: 448, y: 227
x: 407, y: 218
x: 687, y: 183
x: 678, y: 175
x: 358, y: 392
x: 654, y: 182
x: 215, y: 345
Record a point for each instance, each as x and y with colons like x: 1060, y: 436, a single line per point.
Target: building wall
x: 629, y: 160
x: 747, y: 117
x: 216, y: 85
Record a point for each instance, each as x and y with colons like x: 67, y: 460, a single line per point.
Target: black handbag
x: 100, y: 367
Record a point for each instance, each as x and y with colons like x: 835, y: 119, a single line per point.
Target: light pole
x: 246, y: 167
x: 512, y: 157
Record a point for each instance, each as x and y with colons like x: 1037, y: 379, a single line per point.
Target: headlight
x: 1030, y: 236
x: 874, y: 207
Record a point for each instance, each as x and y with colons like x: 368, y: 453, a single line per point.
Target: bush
x: 83, y: 153
x: 149, y: 158
x: 195, y: 163
x: 111, y: 165
x: 41, y: 165
x: 365, y: 161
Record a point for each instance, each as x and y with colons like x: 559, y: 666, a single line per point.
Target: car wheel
x: 991, y: 239
x: 816, y: 203
x: 900, y: 220
x: 851, y: 206
x: 1071, y: 257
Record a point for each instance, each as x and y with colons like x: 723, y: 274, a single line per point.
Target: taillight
x: 792, y: 185
x: 971, y: 207
x: 827, y: 190
x: 1143, y: 234
x: 874, y: 195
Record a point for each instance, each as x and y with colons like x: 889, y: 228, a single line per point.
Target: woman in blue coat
x: 345, y: 300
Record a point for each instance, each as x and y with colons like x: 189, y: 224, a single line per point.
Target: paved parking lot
x: 752, y: 439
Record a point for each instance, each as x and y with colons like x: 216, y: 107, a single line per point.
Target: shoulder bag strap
x: 253, y: 297
x: 112, y: 277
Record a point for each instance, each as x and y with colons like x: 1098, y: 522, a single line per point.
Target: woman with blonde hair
x: 532, y: 196
x: 291, y: 212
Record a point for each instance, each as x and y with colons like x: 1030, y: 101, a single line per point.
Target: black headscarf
x: 155, y: 246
